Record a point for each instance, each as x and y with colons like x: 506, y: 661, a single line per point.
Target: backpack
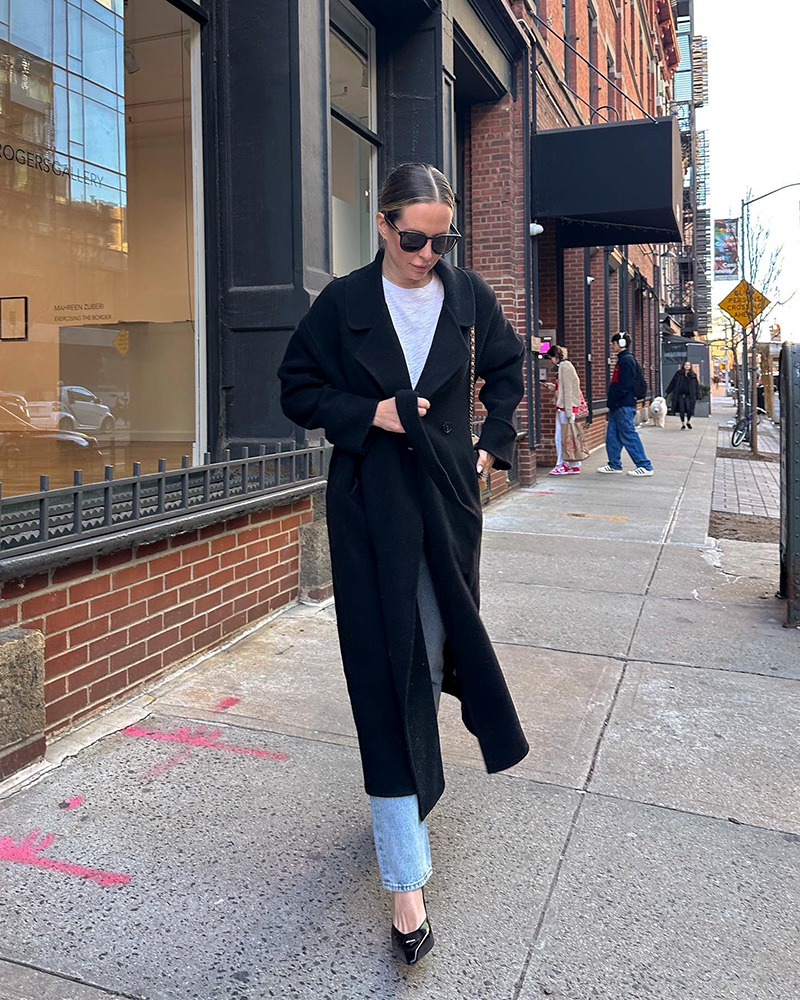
x: 639, y: 382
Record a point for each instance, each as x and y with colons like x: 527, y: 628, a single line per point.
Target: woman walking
x: 568, y: 403
x: 385, y: 362
x: 685, y: 389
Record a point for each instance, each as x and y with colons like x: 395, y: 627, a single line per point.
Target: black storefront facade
x: 178, y: 181
x: 180, y: 178
x: 284, y: 138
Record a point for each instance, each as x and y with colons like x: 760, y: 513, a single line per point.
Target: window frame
x: 367, y: 133
x: 196, y: 9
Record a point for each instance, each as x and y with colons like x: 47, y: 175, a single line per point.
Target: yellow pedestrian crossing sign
x: 744, y: 304
x: 121, y: 342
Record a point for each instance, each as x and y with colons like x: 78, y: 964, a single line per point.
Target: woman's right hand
x: 386, y: 414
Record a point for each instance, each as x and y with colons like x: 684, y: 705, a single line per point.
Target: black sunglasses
x: 412, y: 241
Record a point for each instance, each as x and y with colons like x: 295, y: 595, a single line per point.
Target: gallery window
x: 354, y: 143
x: 100, y: 268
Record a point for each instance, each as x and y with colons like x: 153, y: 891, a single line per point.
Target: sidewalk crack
x: 520, y: 983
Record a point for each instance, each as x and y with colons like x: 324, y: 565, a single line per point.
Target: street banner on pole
x: 744, y: 304
x: 726, y: 249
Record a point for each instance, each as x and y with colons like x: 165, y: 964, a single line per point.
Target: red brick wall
x: 497, y: 208
x: 112, y: 622
x: 496, y: 214
x: 496, y: 227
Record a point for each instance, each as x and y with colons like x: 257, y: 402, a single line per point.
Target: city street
x: 210, y: 839
x: 281, y: 281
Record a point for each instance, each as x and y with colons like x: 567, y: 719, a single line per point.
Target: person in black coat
x: 685, y: 390
x: 385, y: 362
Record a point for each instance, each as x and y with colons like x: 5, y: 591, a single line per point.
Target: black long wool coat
x: 684, y: 385
x: 391, y: 496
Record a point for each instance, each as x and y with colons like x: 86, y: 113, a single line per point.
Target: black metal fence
x: 54, y: 517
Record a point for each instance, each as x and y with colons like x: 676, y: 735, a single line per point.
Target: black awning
x: 609, y: 184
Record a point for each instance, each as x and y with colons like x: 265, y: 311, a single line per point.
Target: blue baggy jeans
x: 621, y: 431
x: 401, y: 840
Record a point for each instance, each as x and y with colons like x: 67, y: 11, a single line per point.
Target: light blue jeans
x: 401, y: 840
x: 621, y: 430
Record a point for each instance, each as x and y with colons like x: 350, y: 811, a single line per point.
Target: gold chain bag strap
x: 472, y: 384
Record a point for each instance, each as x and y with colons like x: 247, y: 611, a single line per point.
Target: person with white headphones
x: 620, y: 422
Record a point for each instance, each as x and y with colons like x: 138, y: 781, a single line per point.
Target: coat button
x: 447, y: 427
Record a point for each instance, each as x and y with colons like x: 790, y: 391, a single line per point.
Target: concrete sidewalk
x: 751, y: 488
x: 746, y: 500
x: 211, y: 840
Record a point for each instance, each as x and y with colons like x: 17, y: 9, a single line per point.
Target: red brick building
x: 595, y: 63
x: 154, y: 498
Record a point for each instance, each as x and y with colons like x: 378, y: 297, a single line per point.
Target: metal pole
x: 775, y: 191
x: 587, y: 328
x: 537, y: 389
x: 752, y: 372
x: 790, y: 482
x: 754, y: 403
x: 743, y: 394
x: 657, y: 320
x: 526, y: 170
x: 532, y: 292
x: 606, y: 317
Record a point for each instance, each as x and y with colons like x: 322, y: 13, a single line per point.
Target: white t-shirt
x: 415, y: 314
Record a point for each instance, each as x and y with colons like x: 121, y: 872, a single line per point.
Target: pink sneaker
x: 573, y: 470
x: 559, y: 470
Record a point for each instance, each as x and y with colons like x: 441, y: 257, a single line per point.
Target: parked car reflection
x: 77, y: 408
x: 27, y: 451
x: 16, y: 404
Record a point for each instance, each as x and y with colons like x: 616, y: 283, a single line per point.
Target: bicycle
x: 741, y: 429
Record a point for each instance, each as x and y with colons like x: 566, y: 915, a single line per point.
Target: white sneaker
x: 640, y: 472
x: 609, y: 469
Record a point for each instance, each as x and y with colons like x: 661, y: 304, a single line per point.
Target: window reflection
x: 97, y: 336
x: 351, y: 210
x: 353, y: 156
x: 350, y: 78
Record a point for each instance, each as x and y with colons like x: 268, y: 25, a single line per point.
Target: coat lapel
x: 375, y: 343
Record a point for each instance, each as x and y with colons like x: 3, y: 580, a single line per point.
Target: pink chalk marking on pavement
x: 73, y: 803
x: 28, y: 852
x: 544, y: 493
x: 225, y: 703
x: 199, y: 738
x: 167, y: 765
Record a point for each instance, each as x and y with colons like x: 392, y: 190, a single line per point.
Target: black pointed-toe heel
x: 410, y: 948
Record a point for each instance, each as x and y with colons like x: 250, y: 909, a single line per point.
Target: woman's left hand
x: 485, y: 463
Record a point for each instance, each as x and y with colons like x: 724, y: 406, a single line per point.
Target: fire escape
x: 689, y: 290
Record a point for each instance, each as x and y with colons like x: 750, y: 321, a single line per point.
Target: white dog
x: 658, y: 411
